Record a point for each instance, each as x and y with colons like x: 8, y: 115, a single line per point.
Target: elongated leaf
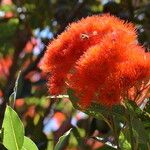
x: 13, y: 136
x: 62, y: 140
x: 140, y: 130
x: 28, y: 144
x: 79, y: 137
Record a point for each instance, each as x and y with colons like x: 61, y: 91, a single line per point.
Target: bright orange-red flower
x: 99, y: 58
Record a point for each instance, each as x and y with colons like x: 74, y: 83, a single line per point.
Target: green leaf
x: 63, y: 140
x: 78, y: 137
x: 138, y: 124
x: 28, y: 144
x: 124, y: 144
x: 119, y: 112
x: 132, y: 108
x: 73, y: 98
x: 13, y: 136
x: 138, y: 127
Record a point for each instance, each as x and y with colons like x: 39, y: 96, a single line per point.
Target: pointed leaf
x: 13, y: 136
x: 28, y: 144
x: 63, y: 140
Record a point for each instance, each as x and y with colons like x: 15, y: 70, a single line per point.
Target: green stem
x: 115, y: 132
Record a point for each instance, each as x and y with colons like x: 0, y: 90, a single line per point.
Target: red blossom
x: 99, y: 58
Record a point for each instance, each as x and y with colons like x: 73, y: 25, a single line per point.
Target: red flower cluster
x: 99, y: 58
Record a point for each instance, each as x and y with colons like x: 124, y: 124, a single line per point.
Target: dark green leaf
x: 78, y: 137
x: 140, y: 130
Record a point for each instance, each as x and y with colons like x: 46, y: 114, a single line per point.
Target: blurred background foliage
x: 26, y: 27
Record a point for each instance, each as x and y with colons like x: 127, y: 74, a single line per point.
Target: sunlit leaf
x: 28, y: 144
x: 13, y: 136
x: 124, y: 144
